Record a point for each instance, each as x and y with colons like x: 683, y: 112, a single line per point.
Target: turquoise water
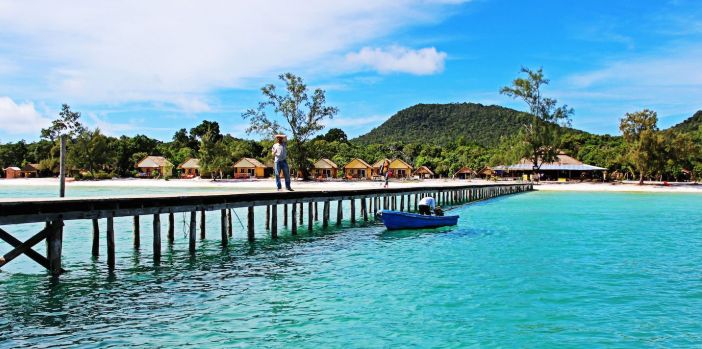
x: 545, y: 270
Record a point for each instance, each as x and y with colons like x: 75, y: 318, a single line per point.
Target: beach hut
x: 12, y: 172
x: 324, y: 168
x: 191, y: 168
x: 423, y: 172
x: 487, y: 172
x: 400, y: 169
x: 155, y: 166
x: 30, y: 170
x: 464, y: 173
x: 358, y: 169
x: 249, y: 168
x: 562, y: 169
x: 377, y: 166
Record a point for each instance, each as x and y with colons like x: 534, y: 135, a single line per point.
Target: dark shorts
x: 424, y: 209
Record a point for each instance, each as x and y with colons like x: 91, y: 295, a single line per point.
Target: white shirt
x: 429, y: 201
x: 280, y: 152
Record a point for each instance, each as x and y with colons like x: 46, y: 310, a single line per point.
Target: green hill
x: 442, y: 123
x: 692, y: 124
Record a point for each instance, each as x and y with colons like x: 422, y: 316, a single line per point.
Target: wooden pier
x: 53, y: 212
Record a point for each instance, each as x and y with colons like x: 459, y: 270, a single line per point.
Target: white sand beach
x: 268, y: 184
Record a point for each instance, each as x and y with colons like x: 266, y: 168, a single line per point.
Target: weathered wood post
x: 171, y: 228
x: 353, y: 210
x: 54, y: 245
x: 316, y: 216
x: 402, y: 203
x: 285, y: 215
x: 250, y: 222
x: 268, y: 217
x: 230, y: 229
x: 157, y: 237
x: 96, y: 238
x: 224, y: 226
x: 293, y: 221
x: 203, y: 224
x: 302, y: 212
x: 110, y: 234
x: 364, y: 210
x: 416, y: 202
x: 325, y: 214
x: 137, y: 233
x: 339, y: 212
x: 274, y: 221
x: 310, y: 218
x: 62, y: 167
x: 192, y: 232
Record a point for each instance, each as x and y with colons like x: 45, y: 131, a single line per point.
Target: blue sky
x: 151, y: 68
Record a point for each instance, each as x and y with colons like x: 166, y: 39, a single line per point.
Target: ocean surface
x: 533, y: 270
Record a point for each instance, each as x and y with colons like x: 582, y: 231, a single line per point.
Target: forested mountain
x: 444, y: 123
x: 692, y: 124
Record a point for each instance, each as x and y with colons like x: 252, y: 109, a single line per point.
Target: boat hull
x: 394, y: 220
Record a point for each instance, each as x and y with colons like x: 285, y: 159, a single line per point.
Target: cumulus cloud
x: 161, y: 50
x: 398, y: 59
x: 20, y: 118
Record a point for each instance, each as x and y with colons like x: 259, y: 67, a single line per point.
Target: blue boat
x: 394, y: 220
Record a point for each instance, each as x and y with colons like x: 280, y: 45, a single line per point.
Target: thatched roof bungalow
x: 565, y: 167
x: 30, y: 170
x: 324, y: 168
x: 249, y: 168
x: 358, y: 169
x: 423, y: 172
x: 155, y: 166
x: 464, y: 172
x: 400, y: 169
x: 191, y: 168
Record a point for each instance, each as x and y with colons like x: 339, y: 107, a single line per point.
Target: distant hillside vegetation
x: 442, y: 123
x: 691, y: 124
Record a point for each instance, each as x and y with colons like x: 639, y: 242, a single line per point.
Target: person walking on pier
x: 280, y: 161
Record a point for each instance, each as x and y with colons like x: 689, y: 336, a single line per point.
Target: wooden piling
x: 137, y: 233
x: 203, y: 224
x: 230, y: 229
x: 110, y: 235
x: 353, y: 211
x: 302, y: 212
x: 171, y: 228
x: 339, y: 212
x: 157, y: 237
x: 250, y: 222
x: 268, y: 217
x: 316, y: 217
x: 325, y: 214
x: 310, y: 218
x: 192, y: 232
x: 54, y: 245
x: 96, y: 238
x: 224, y: 226
x: 285, y: 215
x: 402, y: 203
x: 293, y: 222
x: 274, y: 221
x: 364, y: 210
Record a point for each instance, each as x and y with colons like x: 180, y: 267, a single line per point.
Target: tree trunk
x: 641, y: 178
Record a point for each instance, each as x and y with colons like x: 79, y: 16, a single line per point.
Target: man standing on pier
x: 280, y: 161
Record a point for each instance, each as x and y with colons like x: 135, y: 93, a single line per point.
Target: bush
x: 104, y: 175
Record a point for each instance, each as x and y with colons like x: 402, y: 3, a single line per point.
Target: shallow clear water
x: 532, y: 270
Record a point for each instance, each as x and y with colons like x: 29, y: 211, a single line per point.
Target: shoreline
x: 264, y: 184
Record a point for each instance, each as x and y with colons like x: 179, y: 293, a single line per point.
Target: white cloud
x: 397, y: 59
x: 20, y: 118
x: 161, y: 50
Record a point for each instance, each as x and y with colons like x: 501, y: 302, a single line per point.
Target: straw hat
x: 280, y: 136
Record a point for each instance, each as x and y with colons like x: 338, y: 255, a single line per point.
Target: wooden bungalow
x: 250, y: 168
x: 324, y: 168
x: 564, y: 168
x: 30, y: 170
x: 358, y: 169
x: 12, y: 172
x: 464, y: 173
x: 190, y: 168
x: 487, y: 172
x: 423, y: 172
x: 400, y: 169
x: 155, y: 166
x: 377, y: 166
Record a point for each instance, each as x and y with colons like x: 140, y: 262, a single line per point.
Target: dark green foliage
x: 444, y: 123
x: 692, y: 124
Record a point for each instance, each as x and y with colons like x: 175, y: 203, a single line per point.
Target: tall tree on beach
x: 539, y: 138
x: 303, y: 115
x: 67, y: 124
x: 644, y: 143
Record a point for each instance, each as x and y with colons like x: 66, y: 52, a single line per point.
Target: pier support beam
x: 250, y: 222
x: 110, y: 234
x: 26, y: 247
x: 353, y: 211
x: 230, y: 229
x: 203, y: 225
x: 285, y: 215
x: 224, y: 226
x: 364, y: 210
x: 325, y: 214
x: 339, y: 212
x: 96, y: 238
x: 137, y: 233
x: 192, y: 232
x: 171, y: 228
x: 54, y: 245
x: 293, y: 222
x: 157, y: 237
x: 310, y: 218
x: 274, y: 221
x: 268, y: 217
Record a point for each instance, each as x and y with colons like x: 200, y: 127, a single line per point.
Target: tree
x: 303, y: 115
x: 642, y: 139
x: 540, y: 135
x: 212, y: 154
x: 66, y: 124
x: 204, y: 127
x: 334, y: 134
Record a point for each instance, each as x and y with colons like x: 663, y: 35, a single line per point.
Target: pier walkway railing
x: 53, y: 212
